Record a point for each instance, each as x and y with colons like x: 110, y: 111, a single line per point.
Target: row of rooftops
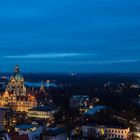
x: 51, y: 131
x: 25, y: 126
x: 94, y: 110
x: 54, y: 131
x: 107, y: 124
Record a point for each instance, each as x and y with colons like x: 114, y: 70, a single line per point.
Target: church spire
x: 42, y: 88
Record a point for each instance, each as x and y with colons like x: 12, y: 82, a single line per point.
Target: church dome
x: 17, y: 76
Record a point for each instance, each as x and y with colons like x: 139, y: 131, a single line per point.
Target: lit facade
x: 107, y: 132
x: 16, y: 96
x: 7, y: 118
x: 43, y: 113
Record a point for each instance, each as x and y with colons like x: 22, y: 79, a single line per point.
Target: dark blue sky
x: 70, y: 35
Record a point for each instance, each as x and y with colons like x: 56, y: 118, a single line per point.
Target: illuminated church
x: 16, y: 96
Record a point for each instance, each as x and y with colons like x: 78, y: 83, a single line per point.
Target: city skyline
x: 70, y: 36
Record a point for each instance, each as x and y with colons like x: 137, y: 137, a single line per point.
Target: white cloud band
x: 49, y: 55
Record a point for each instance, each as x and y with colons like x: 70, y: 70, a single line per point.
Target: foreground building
x: 16, y: 96
x: 7, y: 118
x: 32, y: 131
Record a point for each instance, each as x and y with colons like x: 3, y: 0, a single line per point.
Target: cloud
x: 107, y: 62
x: 77, y: 62
x: 102, y: 62
x: 47, y: 55
x: 97, y: 62
x: 74, y: 58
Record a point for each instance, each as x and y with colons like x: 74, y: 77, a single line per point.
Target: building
x: 42, y: 96
x: 32, y: 131
x: 78, y: 101
x: 55, y: 133
x: 42, y: 112
x: 106, y: 130
x: 16, y: 96
x: 7, y: 118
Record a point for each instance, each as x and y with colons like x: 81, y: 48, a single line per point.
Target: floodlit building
x: 16, y: 96
x: 42, y: 112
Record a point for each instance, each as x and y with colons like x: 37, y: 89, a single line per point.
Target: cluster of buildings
x: 16, y: 96
x: 17, y: 102
x: 40, y: 115
x: 90, y: 128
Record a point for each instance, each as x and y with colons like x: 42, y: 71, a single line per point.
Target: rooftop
x: 54, y: 131
x: 25, y: 126
x: 80, y: 96
x: 108, y: 124
x: 94, y: 110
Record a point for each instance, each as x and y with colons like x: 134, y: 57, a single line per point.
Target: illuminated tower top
x: 17, y: 76
x: 16, y: 70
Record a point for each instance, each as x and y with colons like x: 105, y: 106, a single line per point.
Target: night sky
x: 70, y: 35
